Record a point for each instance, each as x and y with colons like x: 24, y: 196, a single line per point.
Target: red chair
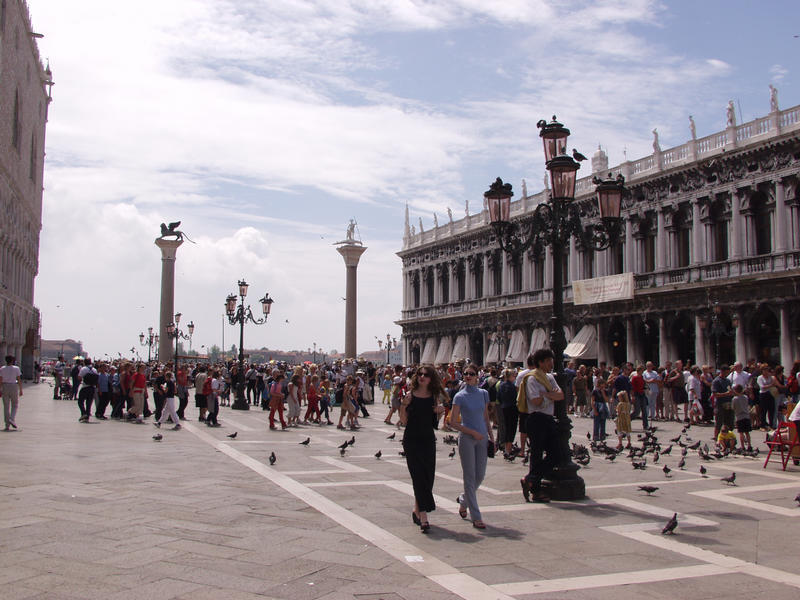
x: 785, y: 439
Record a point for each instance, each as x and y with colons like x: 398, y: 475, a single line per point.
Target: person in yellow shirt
x: 726, y: 440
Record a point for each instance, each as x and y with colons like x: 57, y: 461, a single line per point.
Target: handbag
x: 490, y: 448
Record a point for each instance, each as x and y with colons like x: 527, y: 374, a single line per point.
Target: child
x: 386, y: 386
x: 623, y: 418
x: 741, y: 410
x: 726, y: 440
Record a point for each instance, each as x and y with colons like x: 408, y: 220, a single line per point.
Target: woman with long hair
x: 419, y: 412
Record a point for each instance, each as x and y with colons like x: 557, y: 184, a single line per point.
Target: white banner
x: 603, y: 289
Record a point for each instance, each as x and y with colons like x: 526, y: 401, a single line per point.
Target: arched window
x: 415, y: 286
x: 461, y: 280
x: 429, y: 286
x: 761, y: 228
x: 477, y: 273
x: 718, y: 231
x: 444, y: 276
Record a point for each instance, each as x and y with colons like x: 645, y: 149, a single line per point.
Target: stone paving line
x: 101, y: 510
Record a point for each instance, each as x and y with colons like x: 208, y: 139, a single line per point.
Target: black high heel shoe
x: 425, y: 527
x: 415, y: 518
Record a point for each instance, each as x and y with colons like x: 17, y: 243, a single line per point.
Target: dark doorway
x: 648, y: 337
x: 476, y: 348
x: 766, y: 333
x: 618, y: 340
x: 682, y: 334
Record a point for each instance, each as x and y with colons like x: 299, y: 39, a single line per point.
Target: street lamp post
x: 391, y: 344
x: 174, y: 331
x: 151, y: 340
x: 315, y: 353
x: 239, y: 314
x: 552, y: 225
x: 717, y: 328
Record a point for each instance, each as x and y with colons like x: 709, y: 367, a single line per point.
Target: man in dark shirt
x: 722, y: 395
x: 622, y: 383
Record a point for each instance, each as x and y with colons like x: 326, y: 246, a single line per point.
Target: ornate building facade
x: 711, y: 246
x: 24, y: 99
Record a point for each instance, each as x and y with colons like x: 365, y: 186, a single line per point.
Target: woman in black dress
x: 419, y: 412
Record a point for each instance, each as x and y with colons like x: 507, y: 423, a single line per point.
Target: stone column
x: 663, y: 346
x: 786, y: 339
x: 700, y: 355
x: 488, y: 288
x: 661, y: 242
x: 602, y: 347
x: 697, y: 234
x: 740, y: 342
x: 781, y: 216
x: 630, y: 341
x: 351, y: 253
x: 506, y: 270
x: 169, y: 249
x: 453, y: 282
x: 629, y: 247
x: 437, y: 287
x: 736, y: 232
x: 526, y: 272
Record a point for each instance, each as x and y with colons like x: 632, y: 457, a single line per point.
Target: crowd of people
x: 475, y: 401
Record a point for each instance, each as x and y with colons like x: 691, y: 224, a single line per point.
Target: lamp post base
x: 564, y: 483
x: 240, y: 403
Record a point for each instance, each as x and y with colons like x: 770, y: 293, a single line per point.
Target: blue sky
x: 266, y: 126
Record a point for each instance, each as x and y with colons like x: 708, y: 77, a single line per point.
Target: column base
x: 565, y: 484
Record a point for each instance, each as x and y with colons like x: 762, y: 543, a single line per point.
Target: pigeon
x: 588, y: 436
x: 640, y: 465
x: 378, y: 454
x: 731, y: 480
x: 671, y: 525
x: 695, y: 446
x: 452, y: 453
x: 158, y: 437
x: 797, y: 499
x: 703, y: 470
x: 705, y: 448
x: 272, y: 458
x: 612, y: 457
x: 342, y: 451
x: 391, y: 437
x: 684, y: 452
x: 233, y: 435
x: 352, y: 441
x: 402, y: 453
x: 667, y: 450
x: 306, y: 442
x: 344, y: 445
x: 577, y: 155
x: 681, y: 463
x: 648, y: 488
x: 675, y: 440
x: 667, y: 470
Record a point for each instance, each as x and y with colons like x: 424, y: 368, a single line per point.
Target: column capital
x: 169, y: 248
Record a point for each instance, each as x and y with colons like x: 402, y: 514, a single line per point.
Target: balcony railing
x: 767, y: 263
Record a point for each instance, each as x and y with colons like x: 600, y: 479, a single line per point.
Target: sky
x: 265, y: 126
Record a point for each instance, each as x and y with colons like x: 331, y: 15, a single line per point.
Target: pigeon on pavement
x: 158, y: 437
x: 452, y: 453
x: 648, y: 488
x: 272, y: 458
x: 306, y: 442
x: 703, y: 470
x: 671, y: 525
x: 731, y: 479
x: 666, y: 470
x: 391, y: 437
x: 378, y: 454
x: 233, y: 435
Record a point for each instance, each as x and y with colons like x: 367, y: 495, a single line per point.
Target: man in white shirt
x: 11, y: 389
x: 651, y: 380
x: 541, y: 424
x: 58, y: 375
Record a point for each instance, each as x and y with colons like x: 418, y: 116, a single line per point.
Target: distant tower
x: 599, y: 161
x: 351, y: 250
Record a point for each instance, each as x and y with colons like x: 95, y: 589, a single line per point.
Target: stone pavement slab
x: 103, y: 511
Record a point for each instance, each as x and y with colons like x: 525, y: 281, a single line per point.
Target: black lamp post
x: 174, y: 331
x: 148, y: 340
x: 552, y: 224
x: 391, y: 344
x: 239, y: 314
x: 717, y: 329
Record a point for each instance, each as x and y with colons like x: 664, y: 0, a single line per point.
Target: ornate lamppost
x: 150, y: 340
x: 173, y: 331
x: 553, y: 224
x: 239, y: 314
x: 391, y: 344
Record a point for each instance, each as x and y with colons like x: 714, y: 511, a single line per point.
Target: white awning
x: 493, y: 354
x: 445, y: 351
x: 461, y: 349
x: 516, y: 347
x: 538, y: 340
x: 583, y: 345
x: 429, y: 353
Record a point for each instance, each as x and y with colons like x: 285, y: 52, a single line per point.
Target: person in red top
x: 182, y: 380
x: 312, y: 393
x: 139, y: 392
x: 639, y: 396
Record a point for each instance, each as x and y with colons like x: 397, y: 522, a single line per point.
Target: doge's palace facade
x: 711, y: 242
x: 24, y: 99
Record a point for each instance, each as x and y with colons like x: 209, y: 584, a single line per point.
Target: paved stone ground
x: 103, y: 511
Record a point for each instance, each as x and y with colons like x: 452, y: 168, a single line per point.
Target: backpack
x: 522, y: 394
x: 792, y: 384
x: 90, y: 378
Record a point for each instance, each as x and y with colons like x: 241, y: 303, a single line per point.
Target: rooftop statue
x: 656, y: 145
x: 731, y: 114
x: 692, y: 127
x: 449, y: 214
x: 773, y: 98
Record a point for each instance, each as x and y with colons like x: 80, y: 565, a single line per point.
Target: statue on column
x: 449, y: 214
x: 731, y: 114
x: 656, y: 145
x: 435, y: 221
x: 173, y: 230
x: 524, y: 189
x: 692, y: 127
x: 466, y: 207
x: 773, y: 98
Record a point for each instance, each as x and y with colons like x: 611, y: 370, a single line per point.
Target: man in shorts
x: 11, y: 389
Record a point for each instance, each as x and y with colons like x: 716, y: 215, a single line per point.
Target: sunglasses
x: 423, y: 374
x: 470, y: 374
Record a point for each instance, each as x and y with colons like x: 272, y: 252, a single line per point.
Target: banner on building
x: 603, y: 289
